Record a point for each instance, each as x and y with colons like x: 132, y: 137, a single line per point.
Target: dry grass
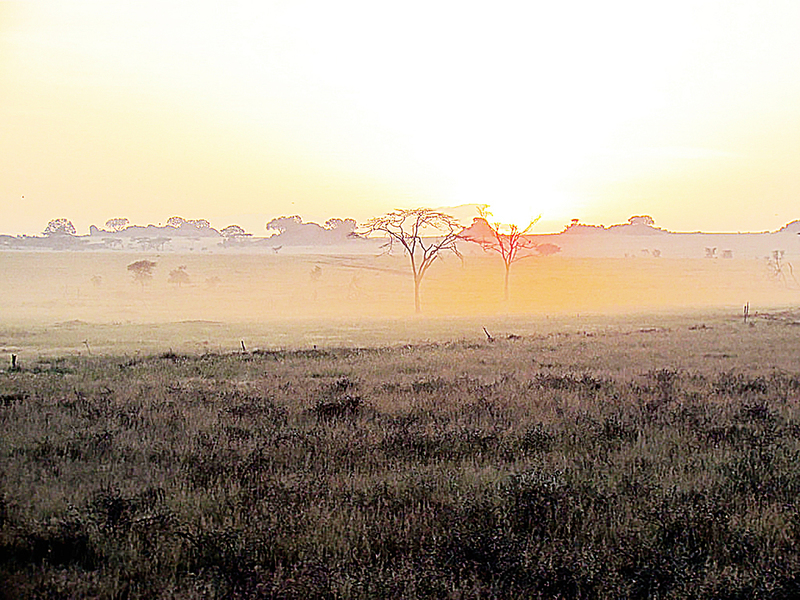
x: 623, y: 461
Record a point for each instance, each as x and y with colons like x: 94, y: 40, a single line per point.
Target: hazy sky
x: 239, y: 112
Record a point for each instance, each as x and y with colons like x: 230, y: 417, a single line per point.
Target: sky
x: 240, y: 112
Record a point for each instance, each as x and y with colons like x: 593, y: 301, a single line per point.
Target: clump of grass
x: 9, y: 399
x: 339, y: 401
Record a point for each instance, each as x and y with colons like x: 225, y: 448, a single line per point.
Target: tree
x: 233, y: 235
x: 407, y: 227
x: 233, y: 232
x: 341, y: 229
x: 179, y: 276
x: 59, y: 227
x: 142, y: 271
x: 176, y: 222
x: 510, y: 244
x: 199, y: 223
x: 117, y: 223
x: 642, y: 220
x: 293, y: 232
x: 179, y: 222
x: 146, y: 243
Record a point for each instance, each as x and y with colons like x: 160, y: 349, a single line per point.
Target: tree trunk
x: 417, y: 303
x: 508, y: 269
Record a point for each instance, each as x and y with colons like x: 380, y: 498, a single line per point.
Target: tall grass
x: 441, y: 471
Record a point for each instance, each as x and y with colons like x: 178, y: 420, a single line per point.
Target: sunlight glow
x: 354, y: 108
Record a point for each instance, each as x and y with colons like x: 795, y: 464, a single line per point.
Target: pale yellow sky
x: 239, y: 112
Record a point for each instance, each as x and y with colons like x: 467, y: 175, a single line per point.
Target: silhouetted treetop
x: 292, y: 231
x: 636, y: 225
x: 233, y: 231
x: 342, y: 227
x: 176, y: 221
x: 59, y: 227
x: 179, y: 222
x: 117, y: 223
x: 642, y: 220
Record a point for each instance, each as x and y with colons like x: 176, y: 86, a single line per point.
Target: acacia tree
x: 179, y: 276
x: 407, y: 227
x: 233, y: 232
x: 509, y: 241
x: 176, y: 222
x: 59, y: 227
x: 142, y: 271
x: 117, y: 223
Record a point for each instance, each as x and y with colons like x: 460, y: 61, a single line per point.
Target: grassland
x: 623, y: 458
x: 55, y: 287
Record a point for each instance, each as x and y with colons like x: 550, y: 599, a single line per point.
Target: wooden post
x: 13, y: 362
x: 746, y: 312
x: 243, y: 347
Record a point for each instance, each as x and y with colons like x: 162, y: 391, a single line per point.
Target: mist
x: 310, y: 292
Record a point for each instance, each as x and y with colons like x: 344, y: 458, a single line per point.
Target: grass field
x: 619, y: 457
x: 51, y: 287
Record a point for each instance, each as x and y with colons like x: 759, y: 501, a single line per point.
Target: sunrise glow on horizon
x: 242, y: 112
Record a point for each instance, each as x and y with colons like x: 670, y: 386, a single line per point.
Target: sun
x: 507, y: 214
x: 546, y: 207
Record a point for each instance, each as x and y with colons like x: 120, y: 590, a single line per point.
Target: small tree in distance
x: 59, y: 227
x: 117, y: 223
x: 407, y: 227
x: 175, y: 222
x: 179, y: 276
x: 142, y: 271
x: 233, y: 232
x: 508, y: 244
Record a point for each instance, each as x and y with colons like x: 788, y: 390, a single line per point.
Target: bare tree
x: 407, y: 228
x: 142, y: 271
x: 512, y: 244
x: 777, y: 268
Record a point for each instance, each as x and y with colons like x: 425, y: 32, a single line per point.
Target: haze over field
x: 240, y: 112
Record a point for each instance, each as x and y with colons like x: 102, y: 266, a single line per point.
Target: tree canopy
x: 117, y: 223
x: 142, y: 270
x: 59, y: 227
x: 423, y: 233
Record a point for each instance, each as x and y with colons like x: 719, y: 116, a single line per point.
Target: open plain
x: 276, y: 435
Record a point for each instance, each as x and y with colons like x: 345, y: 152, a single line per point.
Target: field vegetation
x: 51, y: 287
x: 627, y: 459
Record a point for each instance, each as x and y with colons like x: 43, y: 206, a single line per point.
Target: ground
x: 627, y: 456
